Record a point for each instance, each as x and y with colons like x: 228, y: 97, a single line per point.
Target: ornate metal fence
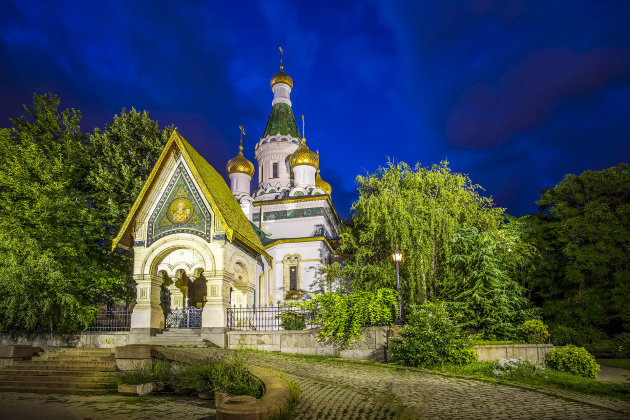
x: 268, y: 318
x: 189, y: 317
x: 112, y: 321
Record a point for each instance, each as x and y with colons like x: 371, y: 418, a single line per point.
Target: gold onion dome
x: 240, y: 164
x: 322, y: 185
x: 304, y: 156
x: 281, y: 77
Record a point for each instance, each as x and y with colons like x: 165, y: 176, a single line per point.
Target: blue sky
x: 514, y: 93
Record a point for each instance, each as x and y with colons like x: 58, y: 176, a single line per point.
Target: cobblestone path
x: 27, y: 406
x: 337, y: 389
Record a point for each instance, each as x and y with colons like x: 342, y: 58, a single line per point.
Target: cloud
x: 527, y: 96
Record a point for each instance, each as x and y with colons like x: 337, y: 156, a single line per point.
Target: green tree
x: 441, y: 223
x: 480, y: 286
x: 123, y: 155
x: 582, y: 232
x: 52, y: 271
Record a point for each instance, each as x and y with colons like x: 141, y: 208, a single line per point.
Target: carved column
x: 214, y: 316
x: 147, y: 317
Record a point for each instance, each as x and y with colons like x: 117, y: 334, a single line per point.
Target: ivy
x: 341, y: 317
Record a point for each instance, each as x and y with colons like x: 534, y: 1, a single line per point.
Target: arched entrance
x: 184, y: 288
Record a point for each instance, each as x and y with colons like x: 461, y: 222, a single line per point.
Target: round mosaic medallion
x: 180, y: 210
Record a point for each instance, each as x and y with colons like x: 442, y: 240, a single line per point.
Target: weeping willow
x: 419, y: 210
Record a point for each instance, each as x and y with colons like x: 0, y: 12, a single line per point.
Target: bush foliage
x: 431, y: 338
x: 221, y: 375
x: 340, y: 317
x: 575, y: 360
x: 533, y: 331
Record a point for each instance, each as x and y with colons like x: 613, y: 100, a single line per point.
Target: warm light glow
x: 397, y: 255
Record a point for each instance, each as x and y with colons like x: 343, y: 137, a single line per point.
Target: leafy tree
x: 123, y: 155
x: 456, y: 244
x: 52, y: 271
x: 582, y: 232
x: 480, y: 286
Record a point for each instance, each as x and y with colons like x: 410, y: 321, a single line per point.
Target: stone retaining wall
x: 88, y: 339
x: 534, y: 352
x: 372, y: 346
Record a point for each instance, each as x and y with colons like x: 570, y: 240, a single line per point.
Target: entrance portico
x: 199, y: 251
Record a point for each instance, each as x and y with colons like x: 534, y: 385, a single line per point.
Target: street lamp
x: 397, y: 257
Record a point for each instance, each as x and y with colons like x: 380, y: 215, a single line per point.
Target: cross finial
x: 303, y: 137
x: 240, y: 147
x: 281, y: 55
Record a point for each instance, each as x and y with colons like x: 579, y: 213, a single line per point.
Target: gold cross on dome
x: 281, y: 55
x: 242, y: 134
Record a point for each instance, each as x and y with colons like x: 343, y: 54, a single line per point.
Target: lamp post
x: 397, y: 257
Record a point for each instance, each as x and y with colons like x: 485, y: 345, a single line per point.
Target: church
x: 200, y: 246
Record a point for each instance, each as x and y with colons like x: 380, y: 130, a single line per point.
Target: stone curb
x: 273, y: 403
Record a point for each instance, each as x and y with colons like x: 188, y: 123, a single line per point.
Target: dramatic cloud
x: 528, y: 94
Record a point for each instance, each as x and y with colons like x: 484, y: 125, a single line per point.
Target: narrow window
x: 293, y: 278
x: 275, y: 169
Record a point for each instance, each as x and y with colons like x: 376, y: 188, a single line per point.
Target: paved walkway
x: 26, y: 406
x: 613, y: 374
x: 336, y: 389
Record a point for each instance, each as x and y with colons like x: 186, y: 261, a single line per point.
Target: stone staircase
x: 62, y: 371
x: 179, y: 337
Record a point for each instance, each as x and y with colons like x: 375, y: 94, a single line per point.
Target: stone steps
x: 62, y: 371
x: 179, y: 337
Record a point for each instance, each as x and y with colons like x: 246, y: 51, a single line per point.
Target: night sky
x: 514, y: 93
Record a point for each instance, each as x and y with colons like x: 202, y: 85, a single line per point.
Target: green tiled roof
x: 213, y: 187
x: 281, y: 121
x: 223, y: 198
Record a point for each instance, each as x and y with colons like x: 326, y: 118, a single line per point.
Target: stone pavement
x: 337, y: 389
x: 26, y: 406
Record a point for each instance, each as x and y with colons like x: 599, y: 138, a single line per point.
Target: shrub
x: 517, y: 369
x: 138, y: 376
x: 341, y: 317
x: 222, y: 375
x: 230, y: 375
x: 575, y: 360
x: 533, y: 331
x: 562, y: 335
x: 431, y: 338
x: 292, y: 321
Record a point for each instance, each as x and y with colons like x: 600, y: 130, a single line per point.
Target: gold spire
x: 321, y: 184
x: 240, y: 164
x: 303, y: 156
x: 281, y: 77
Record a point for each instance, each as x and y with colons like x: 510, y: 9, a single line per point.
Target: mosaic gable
x: 179, y: 210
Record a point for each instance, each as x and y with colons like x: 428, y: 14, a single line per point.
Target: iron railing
x: 189, y: 317
x: 112, y: 321
x: 268, y: 318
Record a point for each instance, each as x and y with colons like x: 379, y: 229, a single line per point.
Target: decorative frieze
x: 289, y: 214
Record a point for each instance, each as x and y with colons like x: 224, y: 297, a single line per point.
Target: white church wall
x: 310, y: 256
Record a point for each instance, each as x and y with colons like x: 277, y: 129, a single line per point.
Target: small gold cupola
x: 281, y: 76
x: 303, y: 155
x: 240, y: 164
x: 322, y: 185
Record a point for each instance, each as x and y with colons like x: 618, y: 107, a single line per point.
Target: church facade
x: 198, y: 243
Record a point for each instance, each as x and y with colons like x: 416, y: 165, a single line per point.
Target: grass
x: 549, y: 378
x: 620, y: 363
x: 294, y: 398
